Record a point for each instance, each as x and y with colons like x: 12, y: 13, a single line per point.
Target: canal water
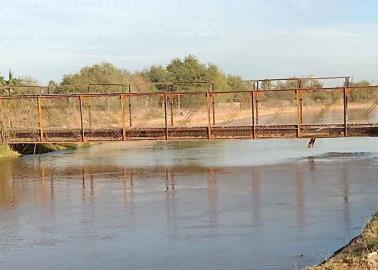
x: 265, y: 204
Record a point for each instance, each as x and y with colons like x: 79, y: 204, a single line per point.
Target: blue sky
x: 252, y: 38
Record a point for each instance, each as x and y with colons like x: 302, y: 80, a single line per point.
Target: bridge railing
x: 316, y: 112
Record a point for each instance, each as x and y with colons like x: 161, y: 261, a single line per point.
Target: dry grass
x: 360, y: 253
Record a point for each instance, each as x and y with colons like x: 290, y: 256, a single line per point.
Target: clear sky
x: 253, y: 38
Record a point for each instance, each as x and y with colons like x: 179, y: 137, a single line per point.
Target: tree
x: 102, y: 73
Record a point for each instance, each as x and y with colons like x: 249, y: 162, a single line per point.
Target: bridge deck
x: 192, y: 133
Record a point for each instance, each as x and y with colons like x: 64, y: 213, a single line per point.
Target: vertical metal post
x: 346, y: 82
x: 171, y: 109
x: 213, y: 101
x: 129, y: 100
x: 123, y: 124
x: 89, y: 113
x: 2, y: 127
x: 257, y: 85
x: 300, y: 110
x: 253, y: 114
x: 81, y: 119
x: 300, y: 103
x: 257, y: 111
x: 165, y: 116
x: 297, y: 94
x: 345, y: 96
x: 40, y: 117
x: 208, y: 115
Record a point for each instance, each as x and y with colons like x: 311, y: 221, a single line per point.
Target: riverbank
x: 7, y: 152
x: 29, y: 149
x: 360, y: 253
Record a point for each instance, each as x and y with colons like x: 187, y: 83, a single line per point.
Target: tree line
x: 187, y: 69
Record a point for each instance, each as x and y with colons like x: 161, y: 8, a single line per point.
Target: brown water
x: 269, y: 204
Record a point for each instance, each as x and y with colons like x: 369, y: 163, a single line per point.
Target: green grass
x: 6, y: 152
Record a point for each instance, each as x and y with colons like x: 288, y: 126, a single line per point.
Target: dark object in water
x: 311, y: 143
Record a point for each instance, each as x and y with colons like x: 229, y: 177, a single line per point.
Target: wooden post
x: 253, y: 114
x: 40, y: 117
x: 165, y: 116
x: 345, y: 95
x: 129, y: 100
x: 123, y: 124
x: 297, y: 93
x: 208, y: 115
x: 81, y: 119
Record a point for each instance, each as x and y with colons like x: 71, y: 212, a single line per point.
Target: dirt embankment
x: 361, y: 253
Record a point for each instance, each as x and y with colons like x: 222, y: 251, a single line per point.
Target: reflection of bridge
x: 289, y: 113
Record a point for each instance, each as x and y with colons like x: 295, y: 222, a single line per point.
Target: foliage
x: 362, y: 93
x: 103, y: 73
x: 19, y: 81
x: 190, y: 69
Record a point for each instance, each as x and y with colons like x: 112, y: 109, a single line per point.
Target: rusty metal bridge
x: 115, y: 113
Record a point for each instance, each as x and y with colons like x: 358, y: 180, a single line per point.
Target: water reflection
x: 278, y: 209
x: 15, y: 191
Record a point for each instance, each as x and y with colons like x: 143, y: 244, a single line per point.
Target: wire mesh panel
x: 61, y: 118
x: 362, y: 105
x: 323, y: 106
x: 102, y: 117
x: 231, y: 115
x: 187, y: 115
x: 362, y: 109
x: 322, y: 112
x: 145, y: 116
x: 20, y: 119
x: 276, y: 113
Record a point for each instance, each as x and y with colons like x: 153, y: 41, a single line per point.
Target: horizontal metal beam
x: 117, y: 94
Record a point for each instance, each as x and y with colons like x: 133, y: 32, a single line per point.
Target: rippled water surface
x: 269, y: 204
